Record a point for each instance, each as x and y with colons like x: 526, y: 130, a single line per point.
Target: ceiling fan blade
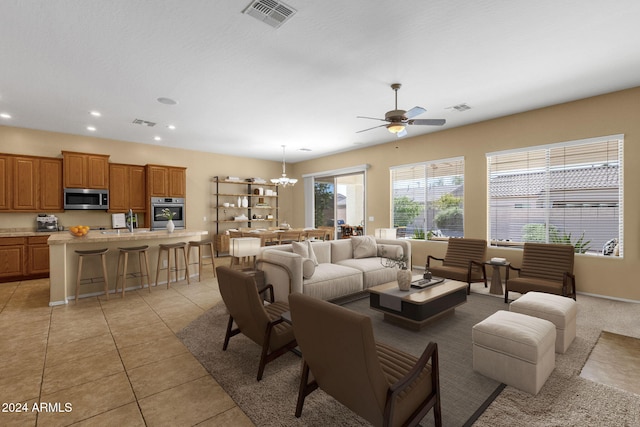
x: 364, y: 130
x: 415, y: 111
x: 372, y: 118
x: 431, y: 122
x: 402, y: 133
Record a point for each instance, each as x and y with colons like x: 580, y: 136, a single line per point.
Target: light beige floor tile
x: 77, y: 331
x: 80, y: 371
x: 125, y: 416
x: 233, y: 417
x: 21, y: 363
x: 187, y: 404
x: 125, y: 323
x: 142, y: 334
x: 74, y: 350
x: 26, y: 416
x: 20, y: 387
x: 88, y: 400
x: 141, y: 354
x: 158, y: 376
x: 178, y: 323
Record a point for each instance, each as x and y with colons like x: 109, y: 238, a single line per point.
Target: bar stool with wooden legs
x: 124, y: 256
x: 103, y: 257
x: 167, y: 248
x: 200, y: 245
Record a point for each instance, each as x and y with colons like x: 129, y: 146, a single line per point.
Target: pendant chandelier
x: 284, y: 180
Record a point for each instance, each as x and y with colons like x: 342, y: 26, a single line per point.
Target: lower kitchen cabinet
x: 12, y: 257
x: 23, y: 258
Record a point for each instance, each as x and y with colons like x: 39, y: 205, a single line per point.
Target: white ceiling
x: 245, y: 88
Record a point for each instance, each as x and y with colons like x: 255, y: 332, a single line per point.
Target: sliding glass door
x: 339, y: 202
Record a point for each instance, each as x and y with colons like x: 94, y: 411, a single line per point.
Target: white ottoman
x: 559, y: 310
x: 515, y: 349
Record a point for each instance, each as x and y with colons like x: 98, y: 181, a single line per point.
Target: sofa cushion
x: 332, y: 281
x: 389, y: 251
x: 340, y: 250
x: 300, y: 248
x: 374, y: 273
x: 312, y: 254
x: 364, y: 246
x: 308, y: 268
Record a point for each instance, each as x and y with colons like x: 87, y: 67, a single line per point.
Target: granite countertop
x: 94, y: 236
x: 18, y: 232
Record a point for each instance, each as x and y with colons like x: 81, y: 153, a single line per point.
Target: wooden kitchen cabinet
x: 37, y: 256
x: 127, y: 187
x: 83, y: 170
x: 25, y: 184
x: 51, y: 189
x: 5, y: 182
x: 12, y: 257
x: 166, y: 181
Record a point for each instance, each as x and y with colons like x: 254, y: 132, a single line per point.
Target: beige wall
x: 615, y: 113
x: 201, y: 167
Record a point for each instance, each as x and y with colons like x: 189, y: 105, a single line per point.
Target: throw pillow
x: 308, y: 268
x: 364, y: 246
x: 301, y: 249
x: 312, y: 254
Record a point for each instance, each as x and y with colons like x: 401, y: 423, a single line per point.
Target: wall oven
x: 174, y: 204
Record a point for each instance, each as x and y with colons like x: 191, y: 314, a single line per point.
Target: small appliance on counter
x: 46, y: 222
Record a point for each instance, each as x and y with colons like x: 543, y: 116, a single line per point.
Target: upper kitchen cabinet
x: 127, y: 186
x: 166, y: 181
x: 36, y: 184
x: 5, y: 183
x: 51, y: 185
x: 82, y: 170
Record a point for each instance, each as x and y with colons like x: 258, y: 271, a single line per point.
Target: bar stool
x: 167, y: 247
x: 142, y: 256
x: 103, y: 257
x: 200, y: 245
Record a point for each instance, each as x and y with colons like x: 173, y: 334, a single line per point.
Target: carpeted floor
x: 272, y: 400
x: 565, y: 400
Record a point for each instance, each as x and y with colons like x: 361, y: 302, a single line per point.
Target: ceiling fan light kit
x: 397, y: 120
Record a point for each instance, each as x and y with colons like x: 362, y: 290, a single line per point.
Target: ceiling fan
x: 397, y: 120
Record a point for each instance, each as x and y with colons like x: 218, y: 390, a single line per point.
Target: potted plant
x: 167, y: 214
x: 404, y: 273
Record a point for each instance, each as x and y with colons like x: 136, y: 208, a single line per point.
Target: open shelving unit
x: 261, y: 210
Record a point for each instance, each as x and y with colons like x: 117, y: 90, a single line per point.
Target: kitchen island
x: 63, y: 261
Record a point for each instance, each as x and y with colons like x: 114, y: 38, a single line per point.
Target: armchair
x: 545, y: 267
x: 384, y: 385
x: 464, y: 261
x: 261, y: 323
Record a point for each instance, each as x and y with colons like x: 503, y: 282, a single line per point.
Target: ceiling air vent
x: 143, y: 123
x: 273, y: 13
x: 461, y: 107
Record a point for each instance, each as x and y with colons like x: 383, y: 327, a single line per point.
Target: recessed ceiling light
x: 95, y: 113
x: 167, y: 101
x: 172, y: 127
x: 157, y: 138
x: 91, y: 128
x: 5, y: 115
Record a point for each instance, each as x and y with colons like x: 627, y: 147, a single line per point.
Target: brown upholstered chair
x: 464, y: 261
x: 261, y: 323
x: 545, y: 267
x: 385, y: 386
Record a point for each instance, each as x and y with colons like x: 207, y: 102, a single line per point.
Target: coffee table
x: 415, y: 308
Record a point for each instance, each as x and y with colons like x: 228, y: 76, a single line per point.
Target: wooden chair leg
x: 104, y: 272
x: 78, y: 277
x: 305, y: 389
x: 228, y: 335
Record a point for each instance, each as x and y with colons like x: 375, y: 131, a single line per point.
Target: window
x: 562, y: 193
x: 427, y: 199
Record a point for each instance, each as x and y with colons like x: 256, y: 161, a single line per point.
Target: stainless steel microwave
x: 86, y: 198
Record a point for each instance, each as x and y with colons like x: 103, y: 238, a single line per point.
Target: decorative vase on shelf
x: 404, y: 279
x: 245, y: 202
x: 239, y: 202
x: 170, y: 226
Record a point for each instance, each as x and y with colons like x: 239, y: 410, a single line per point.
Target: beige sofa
x: 344, y: 267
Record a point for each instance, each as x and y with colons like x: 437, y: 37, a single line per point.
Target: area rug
x: 567, y: 399
x: 271, y: 402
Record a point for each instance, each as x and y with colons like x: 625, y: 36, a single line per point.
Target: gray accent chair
x: 546, y: 267
x: 261, y: 323
x: 385, y: 386
x: 464, y: 262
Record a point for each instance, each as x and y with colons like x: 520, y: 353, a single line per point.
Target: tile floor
x: 115, y: 362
